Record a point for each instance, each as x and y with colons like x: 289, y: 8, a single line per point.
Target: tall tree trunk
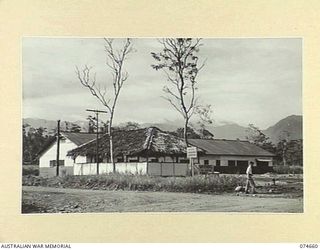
x: 111, y: 145
x: 185, y: 131
x: 111, y: 154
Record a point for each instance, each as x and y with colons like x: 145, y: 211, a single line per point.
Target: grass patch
x: 198, y: 184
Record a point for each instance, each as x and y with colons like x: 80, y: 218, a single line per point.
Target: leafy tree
x: 115, y: 62
x: 130, y: 126
x: 33, y: 141
x: 27, y: 150
x: 290, y: 152
x: 191, y: 133
x: 72, y: 127
x: 257, y: 137
x: 103, y: 126
x: 205, y: 120
x: 294, y: 154
x: 205, y: 134
x: 92, y: 124
x: 180, y: 62
x: 282, y: 146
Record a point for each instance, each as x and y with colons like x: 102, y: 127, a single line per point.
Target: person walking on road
x: 250, y: 181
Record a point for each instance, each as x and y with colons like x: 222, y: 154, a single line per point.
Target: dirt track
x: 55, y: 200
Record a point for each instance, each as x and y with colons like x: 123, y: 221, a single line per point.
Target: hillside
x: 229, y: 131
x: 51, y: 125
x: 292, y: 124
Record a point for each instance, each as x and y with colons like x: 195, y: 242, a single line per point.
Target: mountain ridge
x: 292, y: 124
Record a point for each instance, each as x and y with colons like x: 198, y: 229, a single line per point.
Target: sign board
x: 191, y: 152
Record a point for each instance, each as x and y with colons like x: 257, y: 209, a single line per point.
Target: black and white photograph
x: 117, y: 125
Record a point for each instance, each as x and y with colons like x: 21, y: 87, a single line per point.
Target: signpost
x: 191, y: 154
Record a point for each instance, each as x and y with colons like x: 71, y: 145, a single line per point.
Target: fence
x: 167, y: 169
x: 151, y: 168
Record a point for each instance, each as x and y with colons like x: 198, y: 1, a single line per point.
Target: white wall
x: 81, y: 159
x: 123, y: 167
x: 51, y: 154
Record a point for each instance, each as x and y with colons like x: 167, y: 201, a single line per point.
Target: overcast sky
x: 245, y: 80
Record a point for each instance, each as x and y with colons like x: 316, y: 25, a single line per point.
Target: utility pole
x: 97, y: 140
x: 58, y: 147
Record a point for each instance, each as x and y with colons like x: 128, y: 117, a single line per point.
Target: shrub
x: 288, y: 169
x: 198, y: 184
x: 30, y: 170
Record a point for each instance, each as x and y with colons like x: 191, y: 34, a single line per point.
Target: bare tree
x: 115, y: 63
x: 179, y: 60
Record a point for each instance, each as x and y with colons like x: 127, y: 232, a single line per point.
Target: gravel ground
x: 37, y: 199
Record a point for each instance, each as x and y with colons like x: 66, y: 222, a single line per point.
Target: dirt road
x: 55, y: 200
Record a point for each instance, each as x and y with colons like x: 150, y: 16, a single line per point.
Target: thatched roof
x: 143, y: 142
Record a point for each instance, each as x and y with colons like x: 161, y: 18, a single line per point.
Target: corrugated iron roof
x: 79, y: 138
x: 229, y: 147
x: 76, y: 138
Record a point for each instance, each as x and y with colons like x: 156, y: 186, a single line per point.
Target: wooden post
x: 58, y: 148
x: 97, y: 140
x: 192, y: 168
x: 97, y: 143
x: 147, y: 164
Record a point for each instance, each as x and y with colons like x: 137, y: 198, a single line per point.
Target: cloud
x: 245, y: 80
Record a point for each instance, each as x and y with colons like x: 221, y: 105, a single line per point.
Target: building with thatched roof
x: 149, y: 151
x: 140, y: 145
x: 151, y: 145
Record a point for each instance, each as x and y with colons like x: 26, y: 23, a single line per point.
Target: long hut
x: 140, y: 145
x: 156, y: 152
